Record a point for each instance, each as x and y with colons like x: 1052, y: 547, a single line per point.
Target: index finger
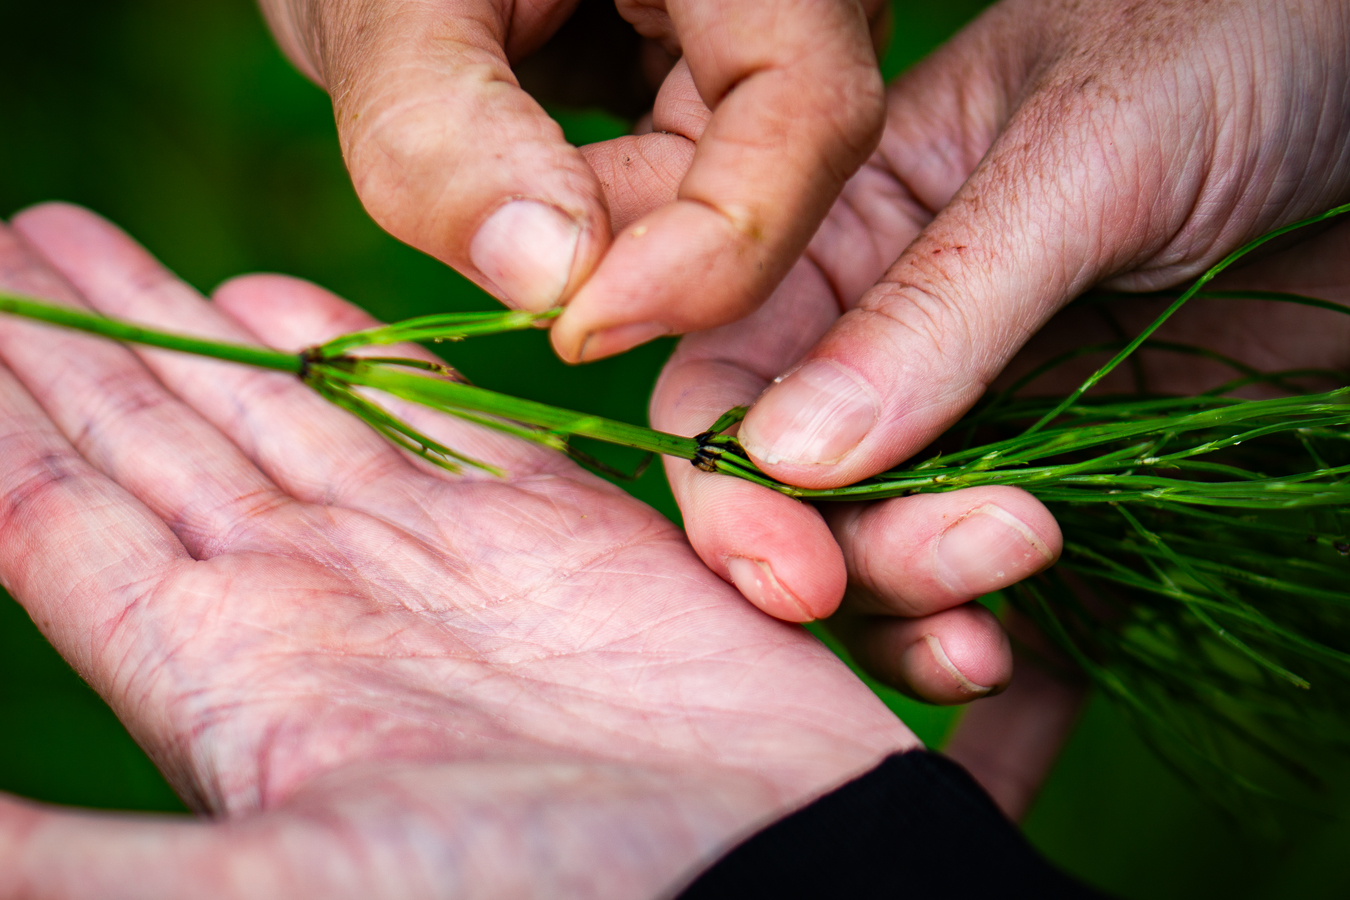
x: 445, y: 149
x: 797, y: 102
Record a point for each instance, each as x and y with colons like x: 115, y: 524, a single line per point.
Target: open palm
x: 380, y: 679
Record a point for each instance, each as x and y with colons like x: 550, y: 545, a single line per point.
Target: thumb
x: 1049, y: 210
x: 446, y: 151
x: 919, y: 349
x: 796, y: 99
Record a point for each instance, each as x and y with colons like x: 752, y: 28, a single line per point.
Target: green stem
x: 438, y: 393
x: 93, y: 323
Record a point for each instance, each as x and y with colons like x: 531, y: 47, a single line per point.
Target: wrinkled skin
x: 382, y: 681
x: 1050, y: 147
x: 770, y: 108
x: 998, y: 193
x: 450, y: 155
x: 376, y: 679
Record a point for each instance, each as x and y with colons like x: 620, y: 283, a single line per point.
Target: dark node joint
x: 307, y: 358
x: 705, y: 460
x: 707, y: 455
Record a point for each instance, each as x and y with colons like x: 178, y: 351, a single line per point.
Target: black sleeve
x: 917, y: 826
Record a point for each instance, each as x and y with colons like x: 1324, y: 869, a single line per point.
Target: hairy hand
x: 377, y: 679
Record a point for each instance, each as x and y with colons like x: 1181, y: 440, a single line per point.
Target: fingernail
x: 526, y: 248
x: 814, y: 416
x: 618, y: 339
x: 986, y: 550
x: 755, y: 579
x: 926, y: 654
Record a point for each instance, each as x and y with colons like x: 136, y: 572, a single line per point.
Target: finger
x: 942, y: 118
x: 287, y: 312
x: 314, y: 451
x: 75, y: 549
x: 653, y: 22
x: 640, y: 173
x: 46, y: 852
x: 788, y: 565
x: 310, y: 449
x: 777, y: 551
x: 446, y: 151
x: 120, y: 419
x: 797, y: 107
x: 57, y: 853
x: 918, y: 555
x: 954, y: 656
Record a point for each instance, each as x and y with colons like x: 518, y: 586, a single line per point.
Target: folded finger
x: 915, y: 556
x: 954, y: 656
x: 1010, y: 742
x: 776, y: 550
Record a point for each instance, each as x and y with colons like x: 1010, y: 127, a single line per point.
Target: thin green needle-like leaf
x: 1242, y: 646
x: 1204, y: 279
x: 435, y: 328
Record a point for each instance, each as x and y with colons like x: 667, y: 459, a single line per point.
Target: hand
x: 1028, y: 160
x: 381, y: 681
x: 892, y: 551
x: 451, y: 156
x: 1049, y: 207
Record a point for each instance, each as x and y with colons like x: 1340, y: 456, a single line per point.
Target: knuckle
x: 929, y: 324
x: 115, y: 400
x: 395, y: 149
x: 32, y: 481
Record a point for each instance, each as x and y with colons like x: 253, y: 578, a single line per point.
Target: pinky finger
x: 954, y: 656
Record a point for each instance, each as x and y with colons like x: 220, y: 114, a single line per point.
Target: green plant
x: 1203, y: 584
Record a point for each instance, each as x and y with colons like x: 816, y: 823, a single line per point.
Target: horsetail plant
x: 1205, y: 580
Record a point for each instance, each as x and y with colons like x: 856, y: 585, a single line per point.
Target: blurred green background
x: 183, y: 123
